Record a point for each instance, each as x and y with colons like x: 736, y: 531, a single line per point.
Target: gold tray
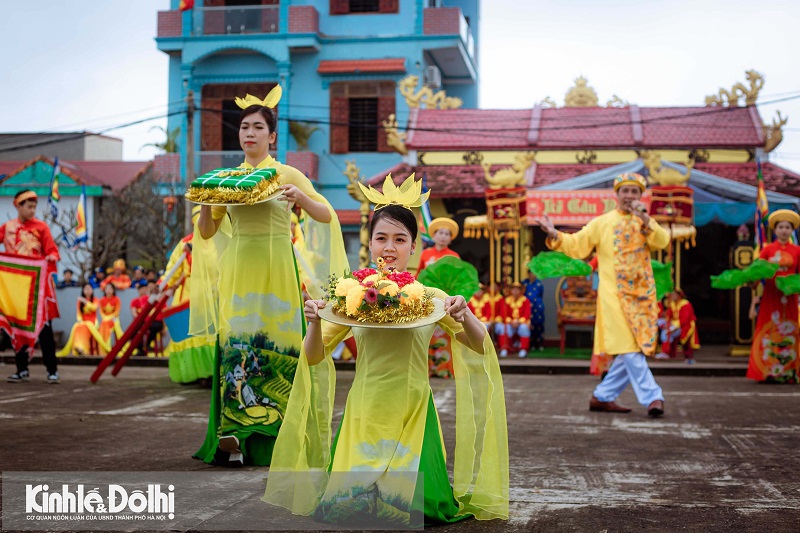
x: 327, y: 313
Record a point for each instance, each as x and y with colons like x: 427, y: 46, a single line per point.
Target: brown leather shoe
x: 608, y: 407
x: 656, y: 408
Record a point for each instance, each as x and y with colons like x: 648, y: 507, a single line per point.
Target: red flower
x: 401, y: 278
x: 363, y: 273
x: 371, y: 295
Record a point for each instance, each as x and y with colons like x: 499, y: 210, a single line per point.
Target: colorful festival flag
x: 55, y: 196
x: 762, y: 211
x: 185, y: 5
x: 23, y: 298
x: 80, y: 215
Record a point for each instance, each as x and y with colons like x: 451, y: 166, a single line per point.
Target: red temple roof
x: 460, y: 181
x: 585, y: 128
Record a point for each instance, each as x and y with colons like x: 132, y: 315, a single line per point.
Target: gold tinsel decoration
x: 406, y: 312
x: 234, y: 195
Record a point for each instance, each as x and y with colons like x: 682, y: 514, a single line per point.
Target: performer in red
x: 479, y: 305
x: 443, y: 230
x: 30, y: 237
x: 680, y: 327
x: 773, y: 355
x: 518, y: 321
x: 119, y: 278
x: 495, y: 313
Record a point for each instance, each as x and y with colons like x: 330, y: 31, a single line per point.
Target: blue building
x: 338, y: 61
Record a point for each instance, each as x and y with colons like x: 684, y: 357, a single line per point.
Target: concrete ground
x: 722, y: 459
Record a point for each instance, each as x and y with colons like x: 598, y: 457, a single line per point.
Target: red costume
x: 773, y: 355
x: 680, y: 314
x: 430, y: 255
x: 33, y: 239
x: 517, y: 309
x: 120, y: 282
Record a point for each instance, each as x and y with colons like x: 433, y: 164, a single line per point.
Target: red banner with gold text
x: 572, y: 208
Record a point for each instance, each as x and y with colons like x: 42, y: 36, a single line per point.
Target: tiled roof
x: 775, y: 178
x: 394, y: 64
x: 468, y: 129
x: 589, y: 127
x: 113, y: 174
x: 702, y: 127
x: 463, y: 181
x: 547, y: 174
x: 584, y: 128
x: 349, y: 216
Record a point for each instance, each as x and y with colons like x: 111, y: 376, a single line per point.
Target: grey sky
x: 91, y: 64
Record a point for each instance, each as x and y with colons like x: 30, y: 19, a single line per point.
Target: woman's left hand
x: 294, y: 195
x: 456, y: 307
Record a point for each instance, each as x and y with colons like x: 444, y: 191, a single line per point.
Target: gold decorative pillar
x: 742, y: 255
x: 353, y: 174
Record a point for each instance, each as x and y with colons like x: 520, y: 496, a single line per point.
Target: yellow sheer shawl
x: 299, y: 470
x: 322, y: 253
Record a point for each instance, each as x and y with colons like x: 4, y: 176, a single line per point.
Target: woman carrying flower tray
x: 386, y: 465
x: 245, y: 290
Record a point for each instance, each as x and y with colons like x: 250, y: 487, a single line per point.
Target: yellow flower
x: 354, y: 298
x: 373, y: 278
x: 414, y: 291
x: 344, y: 285
x: 388, y: 288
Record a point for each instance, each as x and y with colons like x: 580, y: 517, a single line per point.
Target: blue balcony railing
x: 236, y: 20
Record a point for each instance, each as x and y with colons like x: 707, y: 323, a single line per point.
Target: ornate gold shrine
x: 503, y: 226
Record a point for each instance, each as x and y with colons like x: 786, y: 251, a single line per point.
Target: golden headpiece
x: 119, y: 263
x: 27, y: 195
x: 271, y: 100
x: 409, y: 194
x: 784, y: 215
x: 631, y: 178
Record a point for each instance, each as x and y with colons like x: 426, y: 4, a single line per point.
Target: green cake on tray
x: 226, y: 186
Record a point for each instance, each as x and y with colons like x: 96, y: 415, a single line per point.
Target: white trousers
x: 629, y: 368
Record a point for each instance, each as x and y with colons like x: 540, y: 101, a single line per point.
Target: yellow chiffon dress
x: 84, y: 330
x: 245, y: 290
x: 386, y: 465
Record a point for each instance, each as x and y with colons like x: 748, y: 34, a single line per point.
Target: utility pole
x: 190, y: 109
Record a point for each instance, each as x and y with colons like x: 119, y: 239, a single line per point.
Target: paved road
x: 723, y: 459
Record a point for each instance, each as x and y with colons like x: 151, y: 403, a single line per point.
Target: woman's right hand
x: 311, y: 310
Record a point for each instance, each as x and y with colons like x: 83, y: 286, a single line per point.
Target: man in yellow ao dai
x: 626, y: 299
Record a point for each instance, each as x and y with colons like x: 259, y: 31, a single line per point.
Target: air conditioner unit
x: 433, y: 77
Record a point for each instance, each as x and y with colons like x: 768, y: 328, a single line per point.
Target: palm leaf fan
x: 662, y: 273
x: 788, y: 284
x: 556, y: 264
x: 452, y: 275
x: 734, y: 277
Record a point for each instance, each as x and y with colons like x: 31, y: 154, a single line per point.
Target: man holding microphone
x: 627, y: 310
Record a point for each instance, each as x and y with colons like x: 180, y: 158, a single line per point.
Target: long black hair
x: 91, y: 298
x: 396, y: 213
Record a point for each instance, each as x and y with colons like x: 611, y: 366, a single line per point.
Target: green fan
x: 662, y: 273
x: 556, y: 264
x: 788, y: 284
x: 730, y: 279
x: 452, y: 275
